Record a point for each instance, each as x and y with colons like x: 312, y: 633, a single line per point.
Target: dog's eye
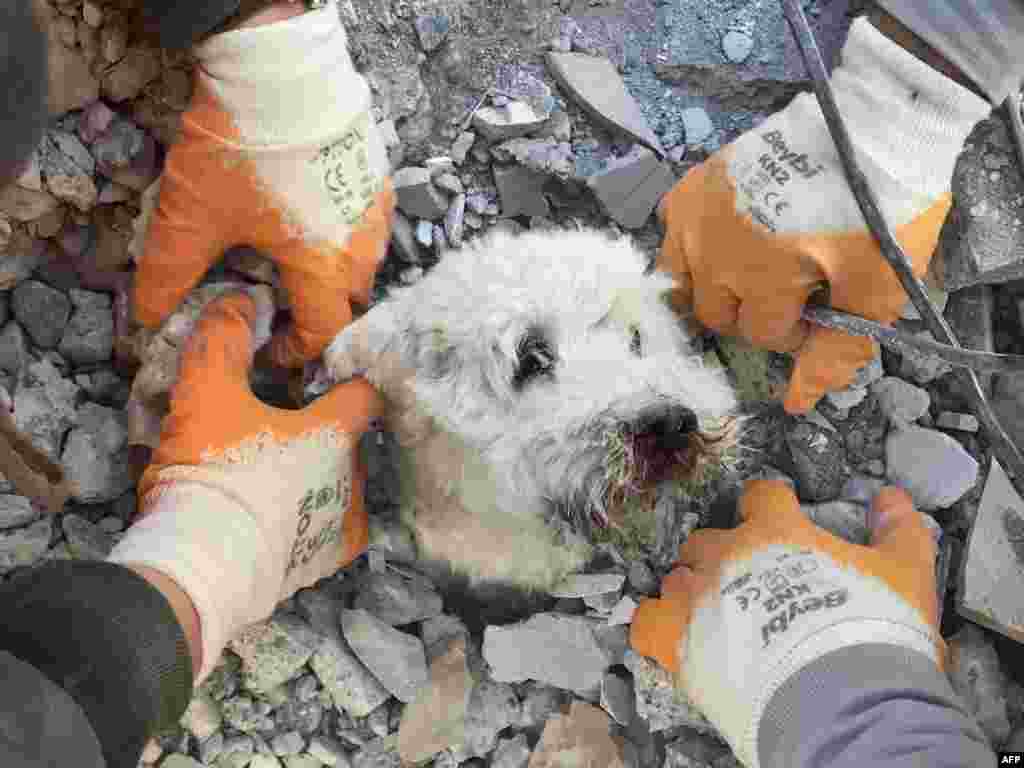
x: 636, y: 341
x: 534, y: 358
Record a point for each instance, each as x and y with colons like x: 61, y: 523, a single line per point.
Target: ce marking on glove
x: 306, y: 546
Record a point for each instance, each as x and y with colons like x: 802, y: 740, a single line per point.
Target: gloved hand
x: 762, y: 224
x: 279, y: 151
x: 982, y: 39
x: 243, y: 503
x: 749, y: 607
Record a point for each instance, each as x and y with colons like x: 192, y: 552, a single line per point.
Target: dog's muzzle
x: 663, y: 438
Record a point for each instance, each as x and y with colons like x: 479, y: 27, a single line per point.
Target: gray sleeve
x: 870, y: 706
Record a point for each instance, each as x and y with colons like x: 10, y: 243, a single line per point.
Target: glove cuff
x: 982, y: 38
x: 212, y: 546
x: 303, y: 62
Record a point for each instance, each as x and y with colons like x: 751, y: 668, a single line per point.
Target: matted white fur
x: 487, y: 464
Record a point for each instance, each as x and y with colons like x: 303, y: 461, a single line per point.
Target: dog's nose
x: 670, y: 426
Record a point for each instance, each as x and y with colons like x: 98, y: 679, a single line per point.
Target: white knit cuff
x: 212, y: 547
x: 288, y: 83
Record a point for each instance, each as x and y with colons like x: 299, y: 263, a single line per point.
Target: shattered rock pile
x: 519, y: 116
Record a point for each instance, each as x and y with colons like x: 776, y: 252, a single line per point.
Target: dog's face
x: 557, y: 357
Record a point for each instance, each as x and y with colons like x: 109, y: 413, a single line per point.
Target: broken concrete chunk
x: 737, y: 45
x: 85, y: 540
x: 461, y: 147
x: 455, y: 219
x: 658, y: 700
x: 274, y: 651
x: 396, y: 658
x: 521, y: 191
x: 931, y: 466
x: 543, y: 155
x: 43, y: 312
x: 993, y: 564
x: 126, y: 79
x: 26, y: 546
x: 596, y: 85
x: 551, y: 648
x: 631, y: 186
x: 617, y: 697
x: 962, y: 422
x: 95, y: 456
x: 844, y: 519
x: 435, y: 719
x: 492, y: 708
x: 417, y: 195
x: 920, y: 368
x: 506, y: 122
x: 584, y: 585
x: 982, y: 240
x: 89, y: 336
x: 21, y: 204
x: 901, y: 401
x: 15, y: 511
x: 352, y: 687
x: 432, y: 30
x: 396, y: 600
x: 581, y: 738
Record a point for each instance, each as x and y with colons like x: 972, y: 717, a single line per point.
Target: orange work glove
x: 750, y: 607
x: 761, y: 225
x: 243, y: 503
x: 279, y: 151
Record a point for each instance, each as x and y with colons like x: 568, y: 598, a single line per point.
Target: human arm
x: 802, y: 649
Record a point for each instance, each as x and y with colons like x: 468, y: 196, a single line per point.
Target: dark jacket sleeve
x: 110, y: 640
x: 877, y: 706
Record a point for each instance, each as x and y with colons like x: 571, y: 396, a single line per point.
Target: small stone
x: 511, y: 753
x: 202, y: 718
x: 211, y: 748
x: 62, y: 153
x: 922, y: 369
x: 584, y: 585
x: 42, y: 311
x: 900, y: 401
x: 617, y: 697
x: 631, y: 186
x: 26, y: 546
x: 540, y: 702
x: 461, y: 147
x: 933, y: 467
x: 21, y: 204
x: 85, y: 540
x: 290, y: 743
x: 737, y: 45
x: 521, y: 191
x: 552, y: 648
x: 352, y: 687
x: 72, y: 84
x: 92, y: 13
x: 450, y: 183
x: 977, y: 677
x: 869, y: 374
x: 596, y: 85
x: 658, y: 701
x: 847, y: 398
x: 697, y: 125
x: 641, y: 578
x: 15, y: 511
x: 622, y: 612
x: 453, y: 220
x: 963, y: 422
x: 274, y: 651
x: 126, y: 79
x: 425, y: 233
x: 89, y: 336
x: 417, y: 196
x: 432, y: 30
x: 395, y: 658
x: 396, y: 601
x: 118, y: 145
x: 845, y: 519
x: 514, y: 119
x: 581, y: 738
x: 44, y: 406
x: 492, y: 708
x: 819, y: 461
x: 328, y: 751
x: 80, y: 190
x: 95, y: 455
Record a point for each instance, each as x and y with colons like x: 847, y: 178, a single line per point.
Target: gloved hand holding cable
x: 769, y: 220
x: 279, y: 151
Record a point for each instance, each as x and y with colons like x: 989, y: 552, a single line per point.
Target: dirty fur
x: 518, y: 375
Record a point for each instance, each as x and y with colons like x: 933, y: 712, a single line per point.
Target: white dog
x: 534, y: 382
